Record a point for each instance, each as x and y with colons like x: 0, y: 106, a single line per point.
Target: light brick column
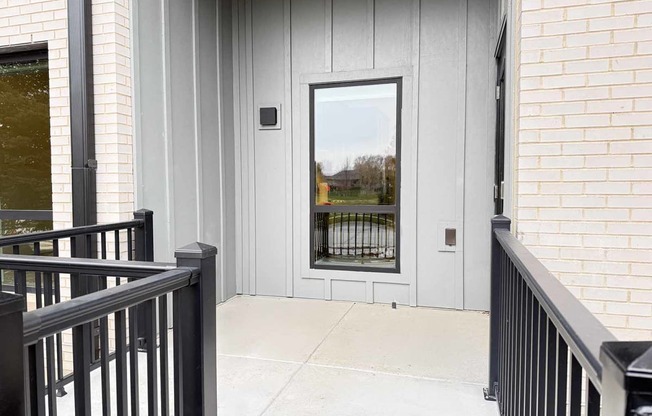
x: 584, y: 146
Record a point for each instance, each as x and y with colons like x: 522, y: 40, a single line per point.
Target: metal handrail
x: 69, y: 232
x: 581, y: 330
x: 44, y: 322
x: 131, y: 269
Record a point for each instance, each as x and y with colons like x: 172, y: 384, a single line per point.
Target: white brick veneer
x: 584, y: 151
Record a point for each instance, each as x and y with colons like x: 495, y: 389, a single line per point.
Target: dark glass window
x: 355, y: 151
x: 25, y: 155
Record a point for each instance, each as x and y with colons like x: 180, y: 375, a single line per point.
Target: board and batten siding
x: 184, y: 127
x: 444, y: 52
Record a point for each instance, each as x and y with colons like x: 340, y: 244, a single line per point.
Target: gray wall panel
x: 269, y: 147
x: 352, y: 35
x: 227, y: 143
x: 182, y: 133
x: 392, y: 34
x: 177, y: 136
x: 440, y: 135
x: 479, y: 177
x: 311, y: 53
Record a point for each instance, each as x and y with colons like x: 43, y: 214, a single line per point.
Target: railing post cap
x: 143, y: 211
x: 10, y: 303
x: 500, y: 219
x: 195, y: 250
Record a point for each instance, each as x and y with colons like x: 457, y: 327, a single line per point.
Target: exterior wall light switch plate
x: 269, y: 117
x: 448, y: 236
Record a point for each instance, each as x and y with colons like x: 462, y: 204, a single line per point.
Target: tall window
x: 25, y: 166
x: 355, y: 149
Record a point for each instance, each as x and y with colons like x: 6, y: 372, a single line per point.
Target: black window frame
x: 394, y: 209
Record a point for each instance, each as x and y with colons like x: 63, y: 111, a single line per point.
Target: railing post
x: 626, y: 378
x: 144, y: 246
x: 12, y: 376
x: 498, y: 222
x: 145, y: 235
x: 195, y: 334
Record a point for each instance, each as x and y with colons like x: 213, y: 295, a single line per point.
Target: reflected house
x: 343, y: 180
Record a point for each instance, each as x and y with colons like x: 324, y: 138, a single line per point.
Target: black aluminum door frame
x: 499, y: 164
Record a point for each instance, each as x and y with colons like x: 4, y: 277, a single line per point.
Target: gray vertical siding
x: 180, y: 145
x: 202, y: 69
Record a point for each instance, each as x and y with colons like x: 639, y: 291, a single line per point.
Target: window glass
x: 25, y: 155
x: 355, y: 145
x: 355, y: 135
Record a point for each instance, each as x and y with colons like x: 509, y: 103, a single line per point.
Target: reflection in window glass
x: 355, y: 137
x: 355, y: 145
x: 25, y: 156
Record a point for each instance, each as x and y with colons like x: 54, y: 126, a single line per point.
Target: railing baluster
x: 524, y: 303
x: 150, y: 341
x: 541, y: 363
x: 130, y: 250
x: 20, y: 281
x: 592, y: 399
x: 371, y: 228
x: 103, y: 245
x: 517, y: 343
x: 562, y: 375
x: 551, y: 369
x: 348, y: 233
x: 104, y: 358
x: 510, y: 345
x: 116, y: 244
x: 341, y: 232
x: 36, y: 378
x: 575, y: 387
x: 121, y: 364
x: 508, y: 339
x: 49, y: 352
x: 534, y: 358
x: 163, y: 350
x: 57, y: 299
x: 527, y: 352
x: 530, y: 343
x: 355, y: 236
x: 37, y: 279
x: 133, y: 359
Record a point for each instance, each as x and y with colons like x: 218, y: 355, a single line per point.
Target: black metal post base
x: 488, y: 396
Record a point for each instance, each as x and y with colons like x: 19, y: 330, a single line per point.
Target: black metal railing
x: 131, y: 240
x: 29, y: 388
x: 354, y: 236
x: 545, y: 345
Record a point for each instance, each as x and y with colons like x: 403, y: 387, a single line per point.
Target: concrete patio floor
x: 280, y: 356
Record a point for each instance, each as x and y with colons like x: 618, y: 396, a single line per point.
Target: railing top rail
x: 47, y: 321
x: 97, y: 267
x: 68, y: 232
x: 581, y: 330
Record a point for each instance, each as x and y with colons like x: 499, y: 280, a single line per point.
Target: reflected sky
x: 354, y: 121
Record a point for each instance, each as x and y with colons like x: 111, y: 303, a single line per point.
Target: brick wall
x: 584, y: 151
